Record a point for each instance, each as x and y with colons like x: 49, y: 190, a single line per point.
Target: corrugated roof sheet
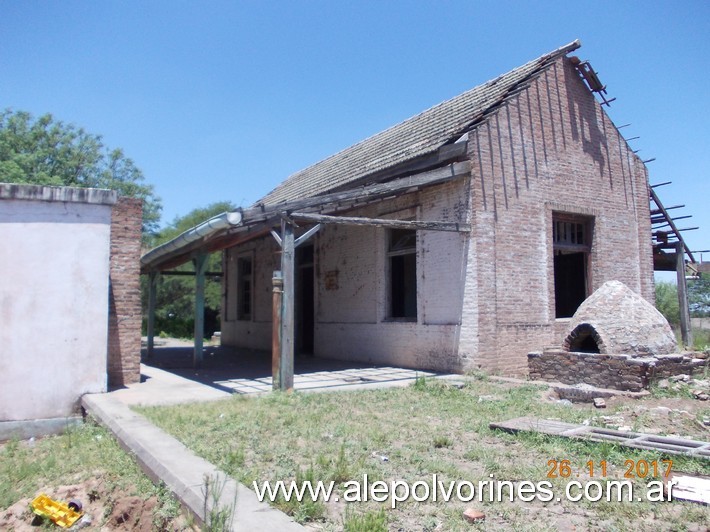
x: 416, y: 136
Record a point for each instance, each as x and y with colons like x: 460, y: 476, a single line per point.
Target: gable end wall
x: 550, y: 149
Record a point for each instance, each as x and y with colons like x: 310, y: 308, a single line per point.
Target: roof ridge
x: 539, y: 63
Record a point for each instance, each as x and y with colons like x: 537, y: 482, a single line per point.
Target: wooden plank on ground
x: 635, y: 440
x: 695, y: 488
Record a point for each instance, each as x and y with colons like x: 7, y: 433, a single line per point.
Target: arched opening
x: 585, y: 344
x: 583, y: 339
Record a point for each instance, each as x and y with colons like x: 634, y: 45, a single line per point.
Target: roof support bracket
x: 308, y: 234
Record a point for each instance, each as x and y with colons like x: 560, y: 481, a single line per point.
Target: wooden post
x: 278, y: 284
x: 685, y: 332
x: 287, y: 306
x: 200, y: 267
x: 152, y: 290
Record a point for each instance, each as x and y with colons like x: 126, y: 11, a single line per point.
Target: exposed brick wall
x: 619, y: 372
x: 549, y: 149
x: 124, y: 338
x: 485, y: 299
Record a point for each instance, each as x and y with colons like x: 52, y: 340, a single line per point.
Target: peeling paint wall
x: 254, y: 333
x: 54, y: 271
x: 350, y: 292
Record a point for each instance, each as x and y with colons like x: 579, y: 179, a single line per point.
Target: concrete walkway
x: 246, y: 371
x: 159, y: 387
x: 163, y: 458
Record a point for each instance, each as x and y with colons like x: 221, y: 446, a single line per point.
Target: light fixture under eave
x: 590, y: 77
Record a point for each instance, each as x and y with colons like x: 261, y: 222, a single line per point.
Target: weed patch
x: 408, y: 434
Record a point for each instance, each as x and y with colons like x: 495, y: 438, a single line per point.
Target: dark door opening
x: 305, y: 301
x: 402, y: 253
x: 570, y: 283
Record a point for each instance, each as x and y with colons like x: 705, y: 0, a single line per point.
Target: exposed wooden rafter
x: 258, y: 221
x: 361, y: 194
x: 378, y: 222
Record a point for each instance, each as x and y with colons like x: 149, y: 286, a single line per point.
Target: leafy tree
x: 45, y: 151
x: 699, y: 296
x: 667, y: 301
x: 175, y: 297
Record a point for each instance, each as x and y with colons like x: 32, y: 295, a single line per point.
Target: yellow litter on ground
x: 58, y: 512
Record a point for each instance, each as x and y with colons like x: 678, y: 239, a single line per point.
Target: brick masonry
x: 124, y: 338
x: 619, y: 372
x: 551, y: 149
x: 620, y: 322
x: 485, y: 299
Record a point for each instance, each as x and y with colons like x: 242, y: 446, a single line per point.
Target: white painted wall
x: 54, y: 272
x: 351, y: 313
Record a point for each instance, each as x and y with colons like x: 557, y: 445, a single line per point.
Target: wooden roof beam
x: 664, y: 211
x: 417, y: 225
x: 365, y: 193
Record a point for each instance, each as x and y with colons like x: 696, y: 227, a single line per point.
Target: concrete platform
x: 159, y: 387
x: 228, y: 370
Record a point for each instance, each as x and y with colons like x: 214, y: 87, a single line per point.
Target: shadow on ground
x: 249, y: 371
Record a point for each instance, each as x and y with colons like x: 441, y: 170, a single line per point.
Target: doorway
x: 305, y: 300
x: 570, y: 283
x: 571, y: 247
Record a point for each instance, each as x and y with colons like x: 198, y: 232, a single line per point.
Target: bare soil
x: 104, y: 509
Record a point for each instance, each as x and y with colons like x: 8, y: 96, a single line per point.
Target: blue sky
x: 223, y: 100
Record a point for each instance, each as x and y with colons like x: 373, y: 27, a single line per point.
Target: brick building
x: 460, y: 238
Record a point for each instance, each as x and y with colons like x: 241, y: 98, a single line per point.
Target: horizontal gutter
x: 206, y: 229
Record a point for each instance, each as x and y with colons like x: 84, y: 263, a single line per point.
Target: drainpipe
x: 211, y: 226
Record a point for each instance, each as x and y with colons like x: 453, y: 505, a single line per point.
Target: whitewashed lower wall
x: 351, y: 290
x: 54, y: 272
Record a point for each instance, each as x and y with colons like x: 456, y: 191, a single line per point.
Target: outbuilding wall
x: 54, y: 263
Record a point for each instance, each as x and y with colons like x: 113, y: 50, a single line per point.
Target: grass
x: 84, y: 452
x: 409, y: 434
x: 217, y: 517
x: 701, y: 339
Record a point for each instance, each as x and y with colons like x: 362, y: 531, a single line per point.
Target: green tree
x: 699, y: 296
x: 45, y: 151
x: 667, y: 301
x: 175, y: 297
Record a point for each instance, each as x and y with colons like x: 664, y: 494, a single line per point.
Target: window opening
x: 244, y: 286
x: 402, y: 257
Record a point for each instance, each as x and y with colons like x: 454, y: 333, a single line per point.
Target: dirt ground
x: 122, y: 512
x: 687, y: 415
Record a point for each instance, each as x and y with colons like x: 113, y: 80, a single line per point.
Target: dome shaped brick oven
x: 616, y: 320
